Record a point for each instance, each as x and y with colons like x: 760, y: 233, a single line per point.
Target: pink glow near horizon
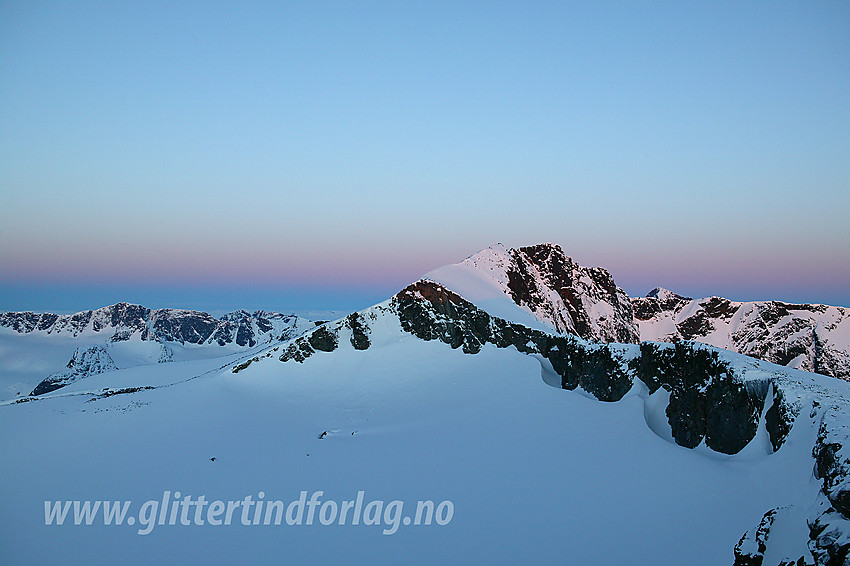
x: 773, y: 274
x: 249, y: 267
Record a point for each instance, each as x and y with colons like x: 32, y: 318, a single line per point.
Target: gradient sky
x: 293, y: 155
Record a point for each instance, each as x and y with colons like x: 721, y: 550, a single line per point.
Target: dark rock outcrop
x: 751, y: 548
x: 323, y: 339
x: 829, y: 542
x: 832, y: 460
x: 707, y: 401
x: 359, y: 331
x: 298, y: 350
x: 779, y: 418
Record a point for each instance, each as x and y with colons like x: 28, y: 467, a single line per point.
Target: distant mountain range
x: 541, y: 280
x: 149, y: 335
x: 124, y: 321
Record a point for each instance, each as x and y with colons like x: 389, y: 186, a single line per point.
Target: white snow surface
x: 537, y: 474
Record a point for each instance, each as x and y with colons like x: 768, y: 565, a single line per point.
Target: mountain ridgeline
x: 810, y: 337
x: 710, y: 398
x: 713, y: 400
x: 708, y: 401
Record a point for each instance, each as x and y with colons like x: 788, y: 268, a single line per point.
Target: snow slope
x: 537, y: 474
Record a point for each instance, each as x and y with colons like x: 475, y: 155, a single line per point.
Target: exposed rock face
x: 185, y: 327
x: 85, y: 362
x: 780, y: 417
x: 707, y: 401
x: 123, y: 321
x: 808, y: 337
x: 832, y: 460
x: 829, y: 538
x: 359, y: 331
x: 584, y: 300
x: 323, y: 340
x: 598, y: 370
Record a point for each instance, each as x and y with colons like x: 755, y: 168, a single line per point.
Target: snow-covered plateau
x: 512, y: 384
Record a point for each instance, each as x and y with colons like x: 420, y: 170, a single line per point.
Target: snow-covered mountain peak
x: 540, y: 285
x: 665, y: 295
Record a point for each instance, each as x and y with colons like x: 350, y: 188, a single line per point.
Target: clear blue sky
x: 330, y: 152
